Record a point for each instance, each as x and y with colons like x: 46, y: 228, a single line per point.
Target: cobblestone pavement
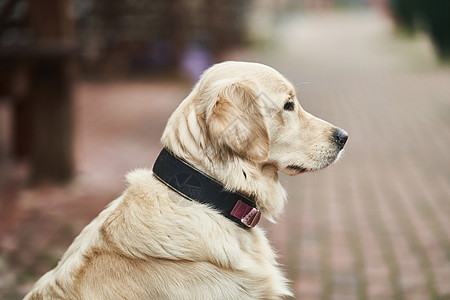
x: 374, y: 226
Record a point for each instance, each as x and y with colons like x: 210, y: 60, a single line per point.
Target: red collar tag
x: 247, y: 214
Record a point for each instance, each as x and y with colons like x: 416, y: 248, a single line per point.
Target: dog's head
x: 251, y: 111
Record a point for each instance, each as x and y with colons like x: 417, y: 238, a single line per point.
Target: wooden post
x: 50, y: 90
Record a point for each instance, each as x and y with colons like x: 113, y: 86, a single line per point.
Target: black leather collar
x: 194, y: 185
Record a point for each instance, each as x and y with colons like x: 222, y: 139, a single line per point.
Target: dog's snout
x: 340, y: 137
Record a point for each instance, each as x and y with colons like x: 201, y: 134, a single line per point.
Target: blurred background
x: 86, y: 87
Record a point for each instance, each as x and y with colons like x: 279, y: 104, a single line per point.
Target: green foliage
x: 432, y: 15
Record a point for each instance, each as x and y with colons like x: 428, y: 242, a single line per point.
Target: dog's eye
x: 289, y: 105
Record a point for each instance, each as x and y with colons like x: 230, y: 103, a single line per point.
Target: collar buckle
x: 248, y: 215
x: 252, y: 218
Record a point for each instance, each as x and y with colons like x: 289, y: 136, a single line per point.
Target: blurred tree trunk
x: 51, y: 107
x: 50, y: 91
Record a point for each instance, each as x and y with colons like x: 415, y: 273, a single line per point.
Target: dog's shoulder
x: 139, y: 176
x: 143, y: 193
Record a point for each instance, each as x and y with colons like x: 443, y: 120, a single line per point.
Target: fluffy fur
x: 151, y: 243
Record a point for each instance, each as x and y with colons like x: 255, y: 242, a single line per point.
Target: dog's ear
x: 235, y: 122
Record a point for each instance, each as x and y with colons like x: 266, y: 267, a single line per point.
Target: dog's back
x: 118, y: 257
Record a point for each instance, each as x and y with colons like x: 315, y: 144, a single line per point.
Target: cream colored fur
x: 151, y: 243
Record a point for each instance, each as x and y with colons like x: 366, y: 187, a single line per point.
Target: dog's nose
x: 340, y: 137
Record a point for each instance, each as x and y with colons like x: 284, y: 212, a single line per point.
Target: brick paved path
x: 377, y: 224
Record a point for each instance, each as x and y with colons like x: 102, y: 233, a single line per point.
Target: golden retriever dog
x: 240, y: 125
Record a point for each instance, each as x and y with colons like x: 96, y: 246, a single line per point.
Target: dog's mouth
x: 294, y: 169
x: 297, y: 168
x: 318, y: 162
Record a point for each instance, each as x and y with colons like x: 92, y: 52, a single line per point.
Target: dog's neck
x: 185, y: 137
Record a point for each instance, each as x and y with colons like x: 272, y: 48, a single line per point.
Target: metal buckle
x: 252, y: 218
x: 248, y: 215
